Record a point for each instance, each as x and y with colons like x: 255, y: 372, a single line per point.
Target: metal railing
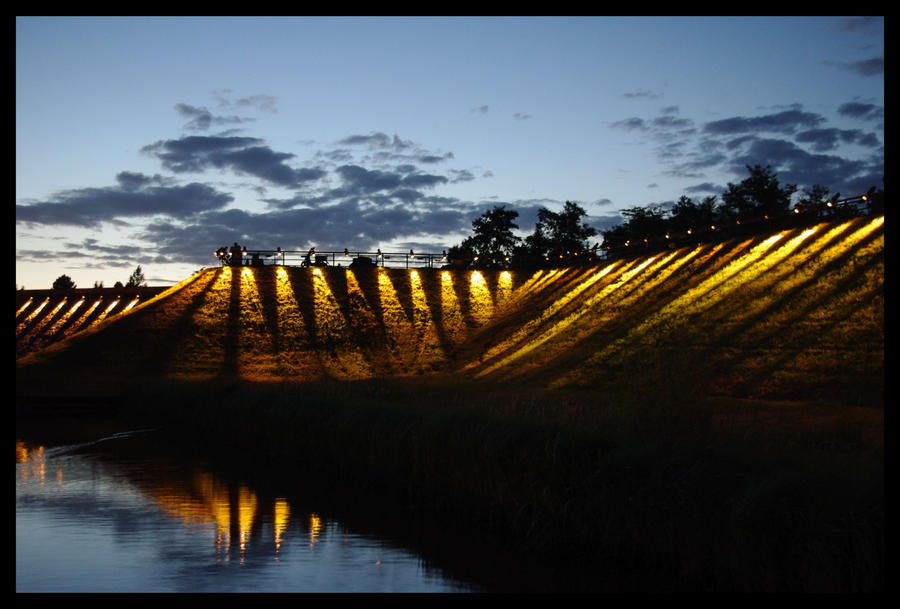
x: 343, y: 258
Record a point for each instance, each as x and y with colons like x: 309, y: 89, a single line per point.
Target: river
x: 100, y: 508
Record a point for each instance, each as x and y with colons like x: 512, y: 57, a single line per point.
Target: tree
x: 686, y: 214
x: 136, y: 279
x: 63, y: 282
x: 492, y: 240
x: 559, y: 233
x: 758, y: 196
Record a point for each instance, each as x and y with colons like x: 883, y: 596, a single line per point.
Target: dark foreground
x: 660, y: 493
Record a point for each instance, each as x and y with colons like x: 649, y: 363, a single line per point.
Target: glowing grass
x: 399, y: 329
x: 481, y: 302
x: 24, y: 306
x: 451, y: 313
x: 429, y: 353
x: 24, y: 323
x: 341, y: 359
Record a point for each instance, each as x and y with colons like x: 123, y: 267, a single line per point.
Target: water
x: 121, y: 511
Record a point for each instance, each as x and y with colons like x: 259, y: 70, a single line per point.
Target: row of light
x: 312, y: 252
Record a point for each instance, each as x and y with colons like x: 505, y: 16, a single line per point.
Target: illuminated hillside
x: 792, y: 314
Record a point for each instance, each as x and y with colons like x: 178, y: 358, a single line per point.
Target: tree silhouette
x: 63, y: 282
x: 758, y: 196
x: 492, y: 241
x: 687, y: 215
x: 136, y: 279
x: 559, y: 233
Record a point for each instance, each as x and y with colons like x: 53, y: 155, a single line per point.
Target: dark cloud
x: 867, y: 26
x: 795, y: 165
x: 786, y: 122
x: 136, y: 196
x: 349, y: 223
x: 829, y: 139
x: 630, y: 124
x: 641, y: 93
x: 862, y: 111
x: 202, y: 119
x: 263, y: 101
x: 866, y: 67
x: 244, y: 155
x: 796, y: 143
x: 387, y: 149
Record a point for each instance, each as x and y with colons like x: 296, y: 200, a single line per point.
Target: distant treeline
x: 755, y: 205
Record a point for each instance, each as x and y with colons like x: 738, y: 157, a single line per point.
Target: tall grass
x: 665, y: 495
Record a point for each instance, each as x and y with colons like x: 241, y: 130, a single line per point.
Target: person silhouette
x: 235, y: 253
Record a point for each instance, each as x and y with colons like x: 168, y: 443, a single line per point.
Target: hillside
x: 796, y: 315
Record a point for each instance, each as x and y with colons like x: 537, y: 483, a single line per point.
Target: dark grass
x: 658, y: 494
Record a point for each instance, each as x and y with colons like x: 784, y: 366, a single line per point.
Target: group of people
x: 232, y: 256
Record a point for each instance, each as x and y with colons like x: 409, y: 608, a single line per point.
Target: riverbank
x: 659, y: 495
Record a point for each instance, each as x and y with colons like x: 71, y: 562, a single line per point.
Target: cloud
x: 641, y: 93
x: 799, y: 145
x: 630, y: 124
x: 136, y: 196
x: 865, y: 67
x: 862, y: 111
x: 261, y: 100
x: 786, y: 122
x: 202, y: 119
x: 244, y: 155
x: 387, y: 149
x: 830, y: 138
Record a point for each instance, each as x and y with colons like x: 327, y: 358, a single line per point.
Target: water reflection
x: 104, y: 516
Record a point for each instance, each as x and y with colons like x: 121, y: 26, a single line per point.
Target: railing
x: 870, y: 203
x: 343, y: 258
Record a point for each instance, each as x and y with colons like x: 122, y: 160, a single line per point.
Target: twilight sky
x: 155, y: 141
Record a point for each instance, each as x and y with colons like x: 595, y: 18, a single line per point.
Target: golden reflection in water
x: 315, y: 529
x: 246, y: 515
x: 281, y: 511
x: 34, y: 464
x: 451, y: 314
x: 481, y: 303
x: 343, y: 359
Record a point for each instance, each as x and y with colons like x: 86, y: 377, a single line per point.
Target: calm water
x: 119, y: 511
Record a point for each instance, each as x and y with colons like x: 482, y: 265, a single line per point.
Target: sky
x: 152, y: 142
